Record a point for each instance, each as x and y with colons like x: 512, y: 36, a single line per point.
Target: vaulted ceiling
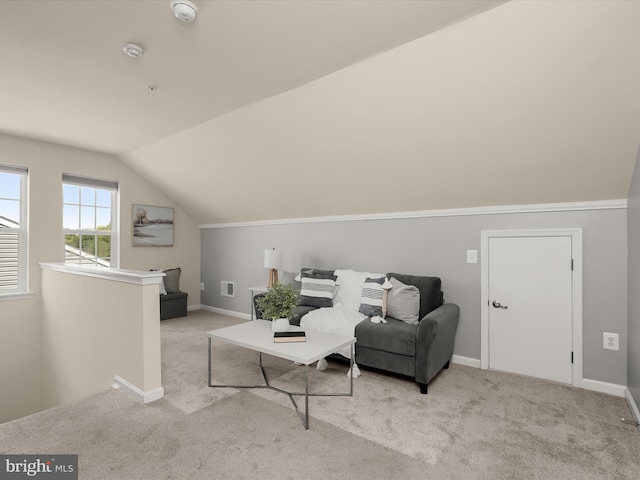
x: 286, y: 109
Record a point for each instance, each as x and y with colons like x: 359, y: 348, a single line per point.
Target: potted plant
x: 278, y: 304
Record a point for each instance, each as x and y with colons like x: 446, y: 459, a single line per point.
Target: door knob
x: 496, y: 304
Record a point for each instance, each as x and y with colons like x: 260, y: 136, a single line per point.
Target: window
x: 89, y: 221
x: 13, y: 229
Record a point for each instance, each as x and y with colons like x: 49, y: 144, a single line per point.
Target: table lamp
x: 273, y: 261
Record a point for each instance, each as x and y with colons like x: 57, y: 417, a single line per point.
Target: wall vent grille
x: 227, y: 288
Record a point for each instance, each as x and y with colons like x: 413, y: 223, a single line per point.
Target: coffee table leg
x: 306, y: 396
x: 209, y: 361
x: 351, y: 371
x: 305, y: 418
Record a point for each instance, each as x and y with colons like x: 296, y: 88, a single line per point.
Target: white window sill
x: 15, y: 296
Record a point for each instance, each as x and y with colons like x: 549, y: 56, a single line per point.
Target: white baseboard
x: 466, y: 361
x: 191, y: 308
x: 594, y: 385
x: 135, y: 393
x: 603, y: 387
x: 222, y: 311
x: 632, y: 406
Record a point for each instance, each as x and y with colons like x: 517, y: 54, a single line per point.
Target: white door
x: 529, y: 294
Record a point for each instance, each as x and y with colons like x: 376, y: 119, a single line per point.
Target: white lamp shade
x: 272, y: 258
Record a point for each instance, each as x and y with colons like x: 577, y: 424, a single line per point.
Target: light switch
x: 472, y: 256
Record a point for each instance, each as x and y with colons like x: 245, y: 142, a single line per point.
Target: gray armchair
x: 417, y: 351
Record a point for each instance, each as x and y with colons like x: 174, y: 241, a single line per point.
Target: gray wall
x: 433, y: 246
x: 633, y: 334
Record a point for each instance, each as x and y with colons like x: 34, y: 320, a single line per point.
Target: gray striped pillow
x: 373, y: 300
x: 318, y: 289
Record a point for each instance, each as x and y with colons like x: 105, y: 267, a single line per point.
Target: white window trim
x: 15, y: 296
x: 114, y: 189
x: 22, y: 289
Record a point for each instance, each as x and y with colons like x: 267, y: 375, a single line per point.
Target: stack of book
x: 289, y: 337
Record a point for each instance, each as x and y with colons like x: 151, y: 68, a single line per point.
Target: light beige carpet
x: 473, y: 424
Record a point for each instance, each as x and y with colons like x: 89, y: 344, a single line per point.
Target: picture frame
x: 151, y: 226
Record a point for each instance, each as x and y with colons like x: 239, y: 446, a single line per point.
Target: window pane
x: 9, y: 185
x: 9, y: 213
x: 87, y: 196
x: 103, y: 198
x: 72, y: 248
x: 71, y: 194
x: 103, y: 218
x: 71, y: 217
x: 104, y: 250
x: 88, y: 218
x: 13, y: 231
x: 88, y: 249
x: 88, y: 243
x: 88, y: 210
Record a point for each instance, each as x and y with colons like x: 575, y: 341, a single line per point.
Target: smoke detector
x: 133, y: 50
x: 184, y: 10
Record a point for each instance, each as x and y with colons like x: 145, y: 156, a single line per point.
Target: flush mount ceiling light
x: 184, y: 10
x: 133, y: 50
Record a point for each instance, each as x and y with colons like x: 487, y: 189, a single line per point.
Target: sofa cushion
x: 318, y: 289
x: 430, y: 293
x: 403, y: 301
x: 394, y: 336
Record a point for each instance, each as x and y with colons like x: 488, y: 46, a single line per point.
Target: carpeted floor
x: 473, y: 424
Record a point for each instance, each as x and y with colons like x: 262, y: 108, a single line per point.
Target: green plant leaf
x: 278, y: 302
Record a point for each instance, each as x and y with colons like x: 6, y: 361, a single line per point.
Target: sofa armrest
x: 435, y: 339
x: 256, y: 307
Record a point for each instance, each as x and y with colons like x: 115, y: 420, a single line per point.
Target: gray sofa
x: 417, y: 351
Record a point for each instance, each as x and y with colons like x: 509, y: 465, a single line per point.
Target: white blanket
x: 340, y: 320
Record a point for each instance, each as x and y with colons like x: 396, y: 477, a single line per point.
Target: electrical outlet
x: 201, y: 285
x: 472, y: 256
x: 610, y: 341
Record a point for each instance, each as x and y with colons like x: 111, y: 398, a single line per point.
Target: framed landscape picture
x: 152, y: 226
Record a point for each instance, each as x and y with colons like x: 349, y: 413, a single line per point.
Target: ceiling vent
x: 184, y: 10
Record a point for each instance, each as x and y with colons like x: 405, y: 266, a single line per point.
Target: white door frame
x: 576, y: 290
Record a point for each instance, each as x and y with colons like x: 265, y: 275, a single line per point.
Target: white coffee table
x: 257, y: 335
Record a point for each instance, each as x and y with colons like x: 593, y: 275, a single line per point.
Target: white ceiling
x: 66, y: 79
x: 336, y: 107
